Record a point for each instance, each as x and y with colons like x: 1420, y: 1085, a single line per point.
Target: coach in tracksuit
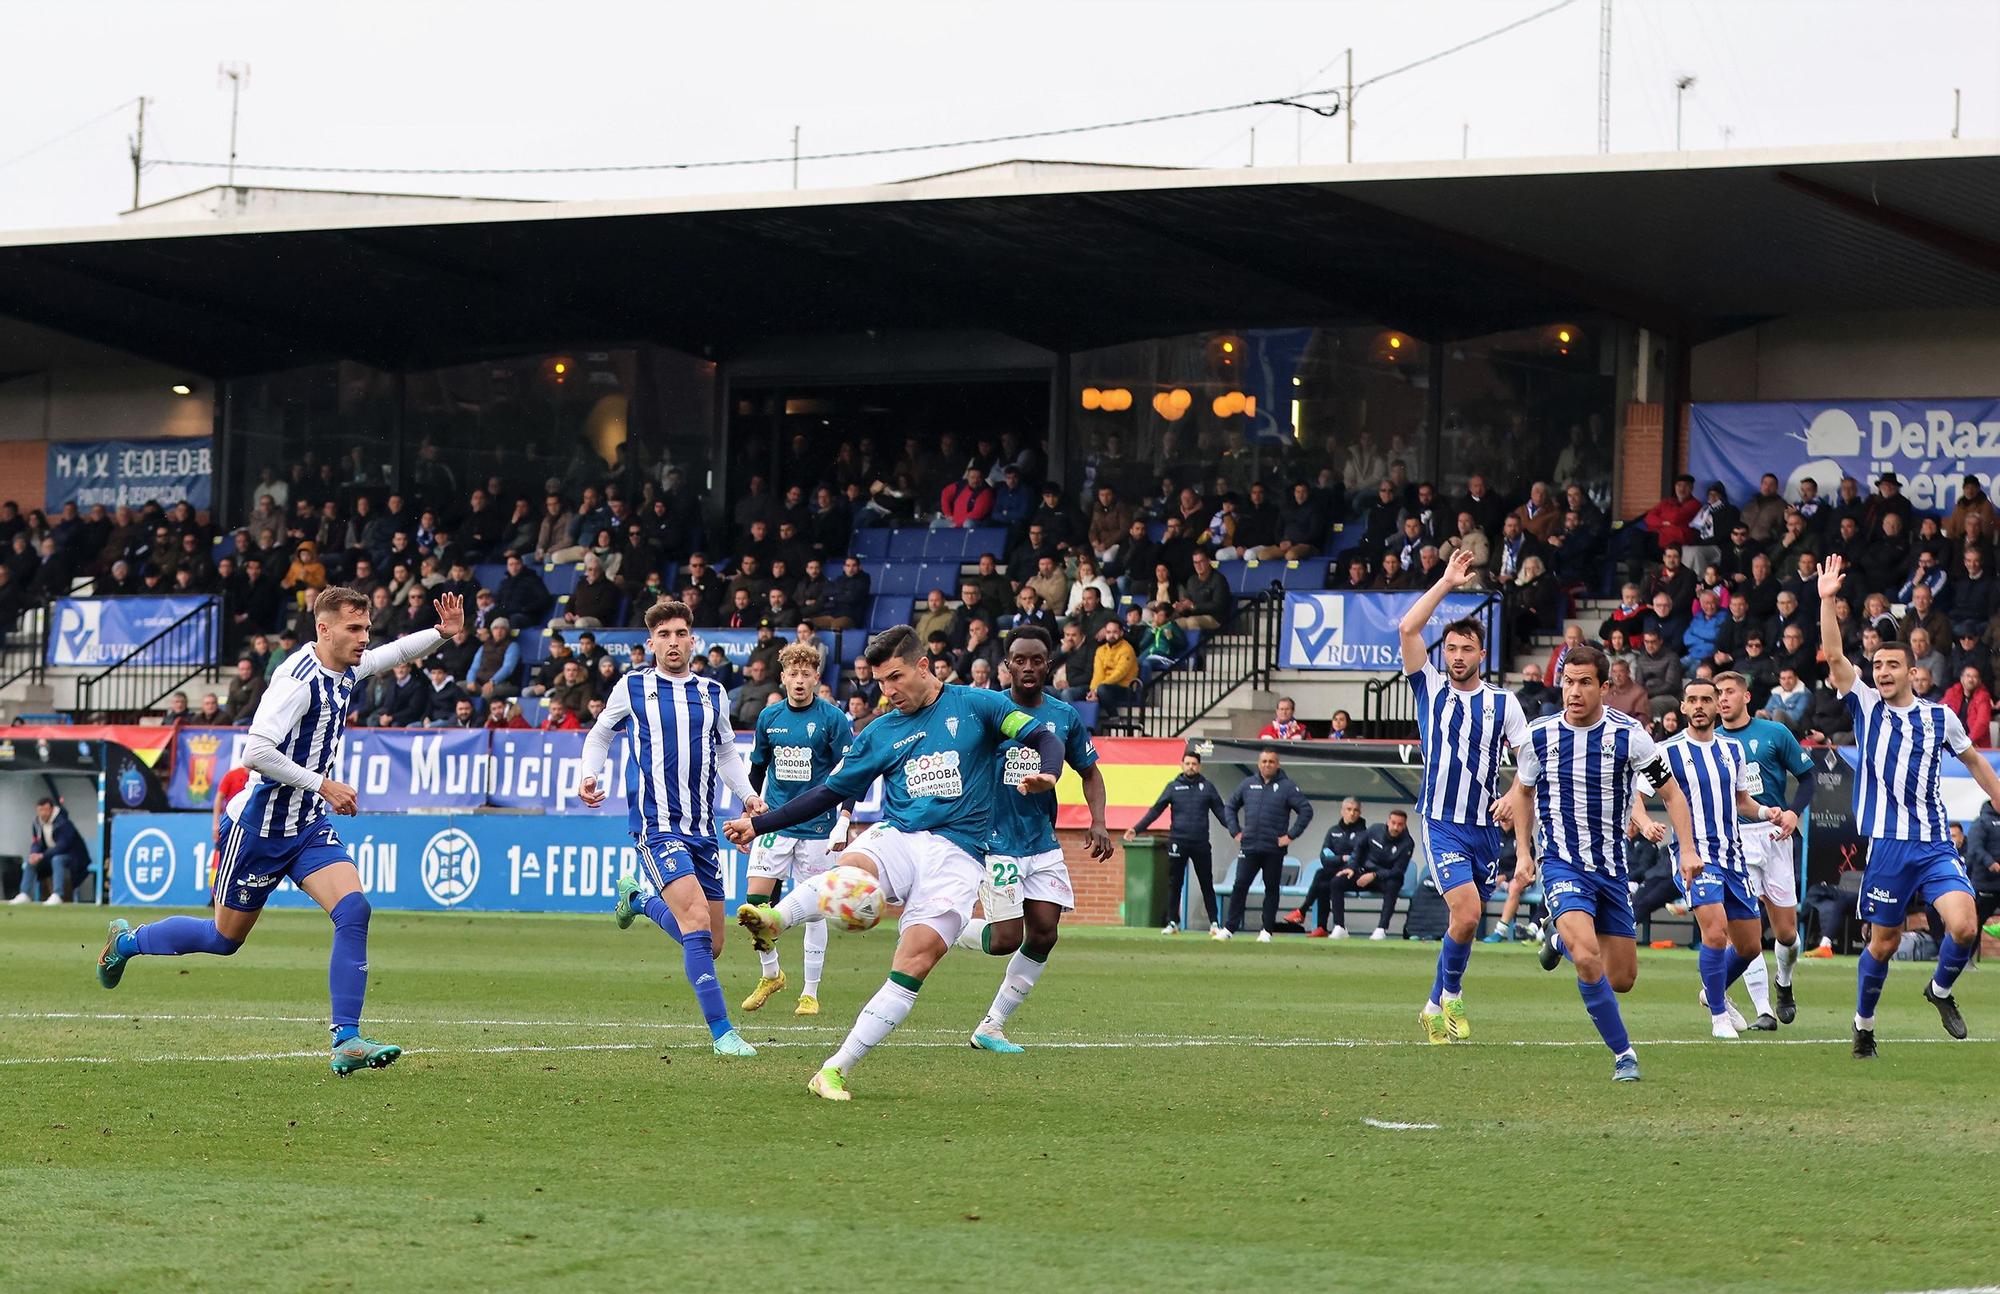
x: 1270, y: 812
x: 1193, y: 798
x: 1336, y: 855
x: 1377, y: 868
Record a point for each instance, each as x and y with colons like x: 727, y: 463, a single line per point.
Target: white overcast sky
x: 499, y: 83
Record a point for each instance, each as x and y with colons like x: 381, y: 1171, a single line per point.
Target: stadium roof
x: 1693, y: 244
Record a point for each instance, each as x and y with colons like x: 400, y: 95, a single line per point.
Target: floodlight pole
x: 1347, y: 104
x: 239, y: 76
x: 138, y: 151
x: 1681, y: 84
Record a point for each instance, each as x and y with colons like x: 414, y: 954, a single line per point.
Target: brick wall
x: 1642, y: 451
x: 1100, y: 887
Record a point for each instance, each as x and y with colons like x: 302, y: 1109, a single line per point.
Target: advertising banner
x: 1357, y: 631
x: 128, y: 473
x: 103, y: 631
x: 1931, y: 445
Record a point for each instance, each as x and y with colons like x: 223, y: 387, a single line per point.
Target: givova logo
x: 450, y: 867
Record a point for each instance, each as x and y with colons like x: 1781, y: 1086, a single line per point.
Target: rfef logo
x: 450, y: 867
x: 149, y: 865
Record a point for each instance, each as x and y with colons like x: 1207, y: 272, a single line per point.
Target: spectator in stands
x: 1539, y: 516
x: 1624, y: 694
x: 574, y: 688
x: 1671, y: 520
x: 702, y: 590
x: 1392, y: 577
x: 1159, y: 643
x: 1672, y: 578
x: 1052, y: 517
x: 1384, y: 518
x: 1924, y: 655
x: 594, y: 601
x: 1031, y: 611
x: 1302, y: 527
x: 246, y: 689
x: 1360, y: 575
x: 504, y: 715
x: 1469, y: 537
x: 1076, y: 662
x: 57, y: 854
x: 1924, y: 572
x: 177, y: 711
x: 995, y: 589
x: 1270, y: 813
x: 306, y: 576
x: 967, y: 502
x: 445, y: 694
x: 1792, y: 614
x: 1093, y: 615
x: 1025, y: 561
x: 496, y: 667
x: 1658, y: 671
x: 408, y: 700
x: 1887, y: 501
x: 1969, y: 595
x: 1972, y: 501
x: 980, y: 675
x: 1486, y: 508
x: 1534, y: 601
x: 1764, y: 515
x: 210, y: 714
x: 971, y: 607
x: 812, y: 596
x: 1338, y: 727
x: 1013, y: 499
x: 750, y: 696
x: 1110, y: 519
x: 1973, y: 704
x: 847, y: 597
x: 1793, y: 650
x: 777, y: 608
x: 1665, y: 617
x: 719, y: 668
x: 1703, y: 633
x: 933, y: 617
x: 522, y: 597
x: 863, y: 684
x: 1407, y: 544
x: 1051, y: 582
x: 1537, y: 697
x: 1114, y: 675
x: 1087, y: 577
x: 859, y: 713
x: 1712, y: 526
x: 1790, y: 703
x: 1575, y: 550
x: 1884, y: 560
x: 980, y: 644
x: 1514, y: 546
x: 1284, y: 724
x: 558, y: 717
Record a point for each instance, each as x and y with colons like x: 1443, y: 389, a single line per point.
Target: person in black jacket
x: 1336, y: 854
x: 1270, y: 812
x: 1377, y: 868
x: 1193, y: 798
x: 57, y: 854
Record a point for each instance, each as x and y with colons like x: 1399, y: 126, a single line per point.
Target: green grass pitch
x: 1189, y: 1116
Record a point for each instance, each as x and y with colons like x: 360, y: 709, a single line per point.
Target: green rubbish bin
x: 1145, y: 881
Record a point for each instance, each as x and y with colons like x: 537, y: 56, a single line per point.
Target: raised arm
x: 1839, y: 670
x: 1457, y: 572
x: 450, y: 610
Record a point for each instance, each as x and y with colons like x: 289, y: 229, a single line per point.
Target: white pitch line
x: 1387, y: 1126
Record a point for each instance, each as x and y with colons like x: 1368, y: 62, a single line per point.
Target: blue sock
x: 1952, y: 957
x: 1869, y: 978
x: 1733, y: 965
x: 172, y: 936
x: 1714, y: 979
x: 661, y: 915
x: 347, y: 967
x: 1437, y: 980
x: 1602, y: 1004
x: 699, y: 962
x: 1452, y: 958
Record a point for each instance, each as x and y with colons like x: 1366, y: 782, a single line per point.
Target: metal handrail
x: 135, y: 685
x: 24, y: 652
x: 1206, y: 672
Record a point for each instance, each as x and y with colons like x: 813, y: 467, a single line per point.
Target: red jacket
x: 1671, y: 519
x: 1976, y: 714
x: 964, y: 505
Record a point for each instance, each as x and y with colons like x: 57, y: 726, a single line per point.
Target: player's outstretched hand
x: 590, y: 792
x: 754, y: 806
x: 1830, y: 577
x: 739, y: 833
x: 339, y: 797
x: 1101, y: 847
x: 1788, y: 823
x: 1457, y: 571
x: 1036, y: 783
x: 450, y: 609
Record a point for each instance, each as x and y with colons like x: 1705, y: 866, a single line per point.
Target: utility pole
x: 1681, y: 84
x: 1253, y: 146
x: 1728, y: 132
x: 1957, y: 97
x: 1464, y: 140
x: 137, y: 145
x: 1347, y: 104
x: 795, y: 157
x: 238, y: 75
x: 1604, y: 76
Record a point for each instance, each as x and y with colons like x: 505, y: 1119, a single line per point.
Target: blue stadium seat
x: 1156, y: 531
x: 986, y: 539
x: 1236, y: 574
x: 938, y: 575
x: 871, y: 543
x: 1086, y: 711
x: 907, y: 544
x: 533, y: 709
x: 489, y: 574
x: 1308, y: 576
x: 885, y: 612
x: 534, y: 644
x: 944, y: 545
x: 898, y: 579
x: 562, y: 579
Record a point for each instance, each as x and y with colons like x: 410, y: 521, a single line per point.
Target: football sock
x: 698, y: 961
x: 815, y: 944
x: 1023, y: 969
x: 347, y: 966
x: 1756, y: 979
x: 973, y: 937
x: 172, y: 936
x: 1452, y: 961
x: 1735, y: 966
x: 1952, y: 957
x: 802, y: 904
x: 1787, y: 956
x: 661, y: 915
x: 1869, y: 977
x: 887, y: 1009
x: 767, y: 963
x: 1602, y: 1004
x: 1714, y: 985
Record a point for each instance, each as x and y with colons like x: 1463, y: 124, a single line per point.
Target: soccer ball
x: 850, y: 898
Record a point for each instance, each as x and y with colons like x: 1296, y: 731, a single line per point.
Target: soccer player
x: 276, y: 827
x: 1774, y: 875
x: 938, y: 755
x: 1718, y: 778
x: 799, y: 741
x: 1027, y: 889
x: 1589, y: 757
x: 1898, y: 807
x: 1463, y: 722
x: 681, y: 742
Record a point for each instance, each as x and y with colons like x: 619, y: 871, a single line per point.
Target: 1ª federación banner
x: 1358, y: 631
x: 128, y: 473
x: 103, y: 631
x: 1931, y: 445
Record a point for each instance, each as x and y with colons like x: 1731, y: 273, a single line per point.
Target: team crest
x: 951, y: 725
x: 812, y: 728
x: 201, y: 765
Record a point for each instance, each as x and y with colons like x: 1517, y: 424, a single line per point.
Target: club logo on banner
x: 102, y: 631
x: 128, y: 473
x: 1358, y: 631
x: 1931, y: 445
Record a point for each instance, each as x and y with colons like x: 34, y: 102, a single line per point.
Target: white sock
x: 1022, y: 972
x: 1787, y: 956
x: 1864, y: 1022
x: 1449, y: 996
x: 768, y: 963
x: 887, y: 1009
x: 815, y: 942
x: 802, y: 904
x: 1758, y: 981
x: 970, y: 937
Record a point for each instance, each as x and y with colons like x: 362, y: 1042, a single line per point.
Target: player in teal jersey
x: 1027, y: 887
x: 1774, y: 752
x: 800, y: 739
x: 938, y: 756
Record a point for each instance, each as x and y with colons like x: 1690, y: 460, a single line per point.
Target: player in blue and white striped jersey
x: 1586, y: 762
x: 1719, y: 780
x: 1899, y: 808
x: 276, y: 828
x: 681, y: 743
x: 1466, y: 724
